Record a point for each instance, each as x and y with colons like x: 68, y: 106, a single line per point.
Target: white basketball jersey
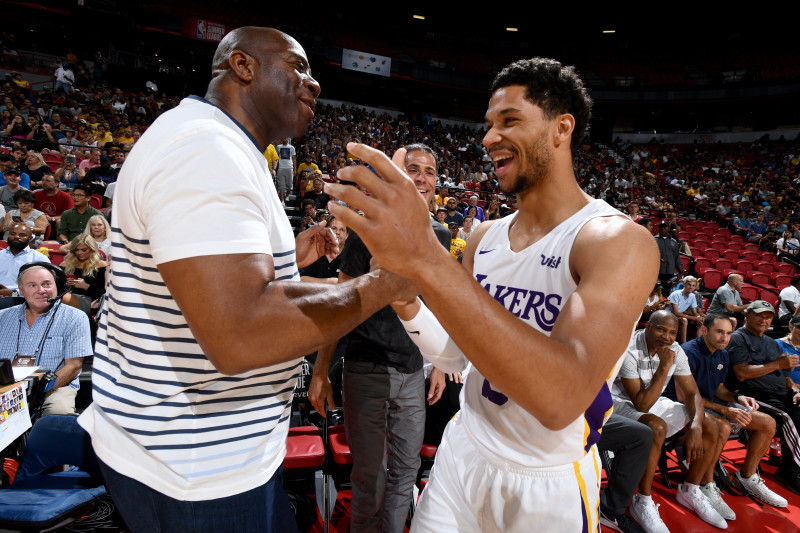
x: 533, y: 284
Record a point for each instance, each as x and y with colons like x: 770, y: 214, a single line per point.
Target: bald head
x: 735, y: 281
x: 20, y: 228
x: 252, y: 40
x: 660, y: 317
x: 261, y: 77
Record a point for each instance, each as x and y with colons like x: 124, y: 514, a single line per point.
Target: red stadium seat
x: 737, y: 246
x: 722, y: 264
x: 768, y: 257
x: 701, y: 264
x: 304, y: 449
x: 96, y: 201
x: 748, y: 292
x: 712, y: 253
x: 782, y: 280
x: 728, y: 271
x: 786, y: 268
x: 695, y: 252
x: 731, y: 255
x: 763, y: 266
x: 717, y: 245
x: 737, y: 239
x: 339, y: 446
x: 750, y: 247
x: 759, y: 278
x: 687, y: 263
x: 684, y: 235
x: 712, y: 279
x: 770, y: 296
x: 749, y: 256
x: 745, y: 266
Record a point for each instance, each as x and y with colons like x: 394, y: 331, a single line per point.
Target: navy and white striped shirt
x: 195, y: 184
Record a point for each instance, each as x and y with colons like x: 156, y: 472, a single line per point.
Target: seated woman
x: 25, y: 212
x: 98, y: 228
x: 86, y: 273
x: 326, y: 268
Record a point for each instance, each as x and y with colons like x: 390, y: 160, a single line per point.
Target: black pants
x: 631, y: 442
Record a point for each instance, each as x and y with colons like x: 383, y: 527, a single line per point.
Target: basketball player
x: 558, y: 287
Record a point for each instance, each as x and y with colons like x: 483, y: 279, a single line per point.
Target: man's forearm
x: 647, y: 396
x: 272, y: 323
x: 745, y: 371
x: 68, y: 372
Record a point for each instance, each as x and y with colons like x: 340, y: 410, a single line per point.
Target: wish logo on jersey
x: 524, y: 302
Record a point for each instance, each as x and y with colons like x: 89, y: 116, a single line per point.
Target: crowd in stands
x: 65, y: 148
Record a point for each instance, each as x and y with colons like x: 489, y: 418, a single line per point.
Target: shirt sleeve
x: 681, y: 363
x: 630, y: 366
x: 218, y: 180
x: 79, y: 343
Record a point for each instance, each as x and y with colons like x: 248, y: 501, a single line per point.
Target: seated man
x: 54, y: 336
x: 758, y: 369
x: 684, y: 306
x: 790, y: 298
x: 652, y: 358
x: 73, y: 221
x: 727, y: 301
x: 52, y: 201
x: 708, y: 360
x: 16, y: 255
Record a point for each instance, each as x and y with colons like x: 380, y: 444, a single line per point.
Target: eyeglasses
x: 79, y: 195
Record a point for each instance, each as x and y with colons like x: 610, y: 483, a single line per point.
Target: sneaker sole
x: 692, y: 509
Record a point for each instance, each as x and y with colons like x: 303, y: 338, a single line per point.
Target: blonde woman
x: 85, y: 270
x: 99, y: 229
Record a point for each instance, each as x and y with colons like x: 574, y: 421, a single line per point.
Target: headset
x: 58, y: 275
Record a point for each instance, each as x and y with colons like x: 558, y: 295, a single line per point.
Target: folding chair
x: 41, y: 500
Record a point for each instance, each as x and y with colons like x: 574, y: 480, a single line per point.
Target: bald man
x: 206, y: 319
x: 727, y: 301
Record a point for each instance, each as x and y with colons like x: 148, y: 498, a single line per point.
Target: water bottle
x: 736, y: 426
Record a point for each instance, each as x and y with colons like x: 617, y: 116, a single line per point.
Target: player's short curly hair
x: 553, y: 87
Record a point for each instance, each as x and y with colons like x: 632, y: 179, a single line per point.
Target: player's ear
x: 564, y: 126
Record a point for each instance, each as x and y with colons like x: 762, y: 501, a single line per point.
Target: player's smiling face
x: 517, y: 139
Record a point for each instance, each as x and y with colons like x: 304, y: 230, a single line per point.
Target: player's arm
x: 244, y: 319
x: 425, y: 329
x: 563, y: 372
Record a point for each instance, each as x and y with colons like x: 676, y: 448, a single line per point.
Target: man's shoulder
x: 10, y: 314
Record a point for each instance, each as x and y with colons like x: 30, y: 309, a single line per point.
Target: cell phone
x: 71, y: 159
x: 71, y: 276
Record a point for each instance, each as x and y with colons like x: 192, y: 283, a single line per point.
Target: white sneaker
x: 646, y: 515
x: 697, y: 502
x: 714, y: 496
x: 756, y: 487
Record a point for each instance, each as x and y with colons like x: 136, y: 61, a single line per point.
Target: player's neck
x: 550, y: 202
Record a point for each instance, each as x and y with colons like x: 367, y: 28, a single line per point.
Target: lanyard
x: 38, y: 351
